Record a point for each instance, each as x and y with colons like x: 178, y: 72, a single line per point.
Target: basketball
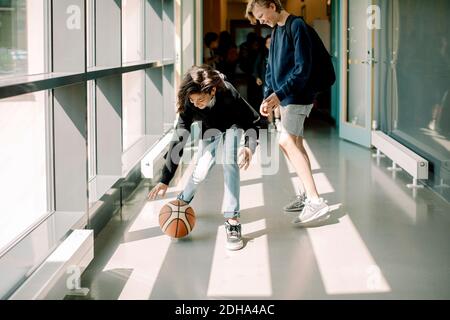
x: 176, y: 220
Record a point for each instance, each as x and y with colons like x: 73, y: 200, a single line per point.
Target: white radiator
x: 60, y: 273
x: 409, y: 161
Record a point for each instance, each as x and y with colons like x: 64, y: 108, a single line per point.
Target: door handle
x: 370, y: 62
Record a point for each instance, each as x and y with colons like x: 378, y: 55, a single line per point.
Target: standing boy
x: 288, y: 71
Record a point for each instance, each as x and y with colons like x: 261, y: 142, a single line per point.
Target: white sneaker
x: 312, y: 211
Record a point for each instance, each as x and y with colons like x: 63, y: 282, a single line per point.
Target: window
x: 22, y: 37
x: 132, y: 31
x: 133, y: 108
x: 100, y: 100
x: 415, y: 65
x: 23, y: 164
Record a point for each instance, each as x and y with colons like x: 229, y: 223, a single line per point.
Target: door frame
x: 347, y: 130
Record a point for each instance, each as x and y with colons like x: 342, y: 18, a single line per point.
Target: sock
x: 316, y: 201
x: 233, y: 222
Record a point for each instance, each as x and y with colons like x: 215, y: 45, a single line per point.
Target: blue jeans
x: 208, y: 150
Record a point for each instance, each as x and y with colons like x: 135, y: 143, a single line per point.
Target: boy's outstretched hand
x: 245, y: 157
x: 160, y: 187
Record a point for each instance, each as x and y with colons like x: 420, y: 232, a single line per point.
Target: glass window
x: 169, y: 97
x: 133, y: 108
x: 418, y: 81
x: 22, y: 37
x: 23, y: 164
x: 132, y: 30
x: 91, y: 118
x: 169, y: 30
x: 90, y: 33
x: 154, y: 30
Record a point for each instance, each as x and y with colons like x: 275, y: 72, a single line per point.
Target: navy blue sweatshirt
x: 229, y: 111
x: 289, y: 64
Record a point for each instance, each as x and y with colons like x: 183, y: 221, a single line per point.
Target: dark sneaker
x: 234, y: 237
x: 312, y: 211
x: 297, y: 204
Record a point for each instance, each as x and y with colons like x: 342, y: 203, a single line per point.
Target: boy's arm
x: 303, y: 61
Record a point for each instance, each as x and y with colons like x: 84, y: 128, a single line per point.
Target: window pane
x: 169, y: 30
x: 23, y: 165
x: 90, y: 32
x: 106, y: 33
x: 132, y: 30
x: 153, y: 30
x: 421, y: 82
x: 133, y: 108
x: 22, y: 37
x: 91, y: 118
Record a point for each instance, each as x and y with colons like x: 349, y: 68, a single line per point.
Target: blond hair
x: 263, y: 3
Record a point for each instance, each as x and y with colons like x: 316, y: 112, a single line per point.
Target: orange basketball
x: 176, y: 220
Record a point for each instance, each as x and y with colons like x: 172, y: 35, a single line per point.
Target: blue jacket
x: 289, y: 65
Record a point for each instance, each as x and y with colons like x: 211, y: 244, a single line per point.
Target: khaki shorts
x: 293, y: 118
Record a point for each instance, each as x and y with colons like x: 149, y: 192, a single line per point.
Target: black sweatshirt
x: 230, y: 111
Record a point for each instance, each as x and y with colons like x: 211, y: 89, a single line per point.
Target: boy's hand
x: 160, y: 187
x: 245, y: 157
x: 264, y: 109
x: 272, y: 101
x: 269, y: 104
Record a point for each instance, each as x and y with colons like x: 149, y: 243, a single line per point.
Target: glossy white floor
x: 380, y: 242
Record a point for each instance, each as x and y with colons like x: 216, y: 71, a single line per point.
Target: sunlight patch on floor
x: 145, y: 258
x: 243, y: 273
x: 345, y: 263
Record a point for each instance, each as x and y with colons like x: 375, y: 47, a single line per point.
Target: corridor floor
x: 380, y: 242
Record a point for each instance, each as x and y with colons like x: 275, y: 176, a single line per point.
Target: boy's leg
x: 297, y: 131
x: 300, y: 146
x: 291, y: 141
x: 204, y: 164
x: 300, y: 160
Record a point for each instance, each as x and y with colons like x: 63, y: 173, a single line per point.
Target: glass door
x: 357, y: 100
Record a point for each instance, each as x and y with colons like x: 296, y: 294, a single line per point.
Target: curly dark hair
x: 199, y: 79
